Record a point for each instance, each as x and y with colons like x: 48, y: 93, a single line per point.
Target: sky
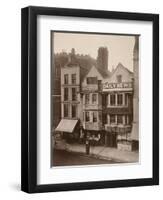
x: 120, y: 47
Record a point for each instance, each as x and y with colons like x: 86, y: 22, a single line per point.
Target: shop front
x: 118, y: 136
x: 96, y: 138
x: 110, y: 136
x: 69, y: 130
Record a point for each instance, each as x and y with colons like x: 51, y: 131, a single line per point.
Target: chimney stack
x: 102, y: 58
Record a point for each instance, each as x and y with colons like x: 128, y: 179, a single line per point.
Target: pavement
x: 66, y: 158
x: 102, y: 152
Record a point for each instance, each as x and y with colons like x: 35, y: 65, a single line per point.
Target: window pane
x: 65, y: 110
x: 74, y: 94
x: 66, y: 79
x: 112, y: 119
x: 94, y: 98
x: 87, y: 116
x: 112, y: 99
x: 94, y: 116
x: 73, y: 78
x: 92, y: 80
x: 126, y: 99
x: 120, y: 99
x: 86, y: 98
x: 120, y: 119
x: 83, y: 116
x: 100, y: 116
x: 74, y: 109
x: 65, y: 94
x: 126, y: 120
x: 119, y: 78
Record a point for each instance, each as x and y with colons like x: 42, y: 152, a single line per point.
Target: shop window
x: 92, y: 80
x: 73, y: 78
x: 86, y: 98
x: 94, y: 98
x: 119, y: 99
x: 74, y: 111
x: 94, y: 116
x: 112, y: 99
x: 66, y: 79
x: 65, y: 110
x: 87, y: 119
x: 112, y: 119
x: 119, y: 119
x: 74, y: 94
x: 65, y: 94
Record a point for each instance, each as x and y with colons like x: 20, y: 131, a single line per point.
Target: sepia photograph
x: 90, y: 99
x: 94, y: 98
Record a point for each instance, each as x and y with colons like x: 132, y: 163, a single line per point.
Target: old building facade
x: 118, y: 91
x: 92, y: 104
x: 100, y: 105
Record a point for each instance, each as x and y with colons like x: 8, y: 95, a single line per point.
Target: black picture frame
x: 29, y: 98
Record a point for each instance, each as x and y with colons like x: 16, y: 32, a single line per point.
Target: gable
x: 120, y: 70
x: 92, y: 73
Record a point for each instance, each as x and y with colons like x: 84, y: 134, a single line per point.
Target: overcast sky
x: 120, y: 47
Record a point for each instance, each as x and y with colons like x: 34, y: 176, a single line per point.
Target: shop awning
x: 67, y: 125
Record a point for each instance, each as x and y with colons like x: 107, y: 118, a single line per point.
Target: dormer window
x: 119, y: 78
x: 92, y: 80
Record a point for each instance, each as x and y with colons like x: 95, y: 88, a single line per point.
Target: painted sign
x: 123, y: 85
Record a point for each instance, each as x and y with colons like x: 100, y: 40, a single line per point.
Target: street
x: 64, y: 158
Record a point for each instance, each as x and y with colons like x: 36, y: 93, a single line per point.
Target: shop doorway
x: 112, y: 140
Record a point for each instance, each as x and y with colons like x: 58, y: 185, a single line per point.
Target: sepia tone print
x: 94, y: 99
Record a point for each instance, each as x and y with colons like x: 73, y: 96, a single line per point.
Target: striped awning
x: 67, y: 125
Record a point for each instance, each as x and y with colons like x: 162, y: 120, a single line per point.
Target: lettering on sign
x: 117, y: 85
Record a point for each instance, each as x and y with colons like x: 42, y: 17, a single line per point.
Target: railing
x: 118, y: 128
x: 118, y: 110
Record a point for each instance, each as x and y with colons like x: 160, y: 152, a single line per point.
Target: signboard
x: 123, y: 85
x: 92, y: 87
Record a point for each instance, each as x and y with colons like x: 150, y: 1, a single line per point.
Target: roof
x: 121, y: 66
x: 85, y: 71
x: 71, y: 64
x: 104, y: 73
x: 67, y: 125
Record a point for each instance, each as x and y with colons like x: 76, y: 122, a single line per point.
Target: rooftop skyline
x: 120, y: 47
